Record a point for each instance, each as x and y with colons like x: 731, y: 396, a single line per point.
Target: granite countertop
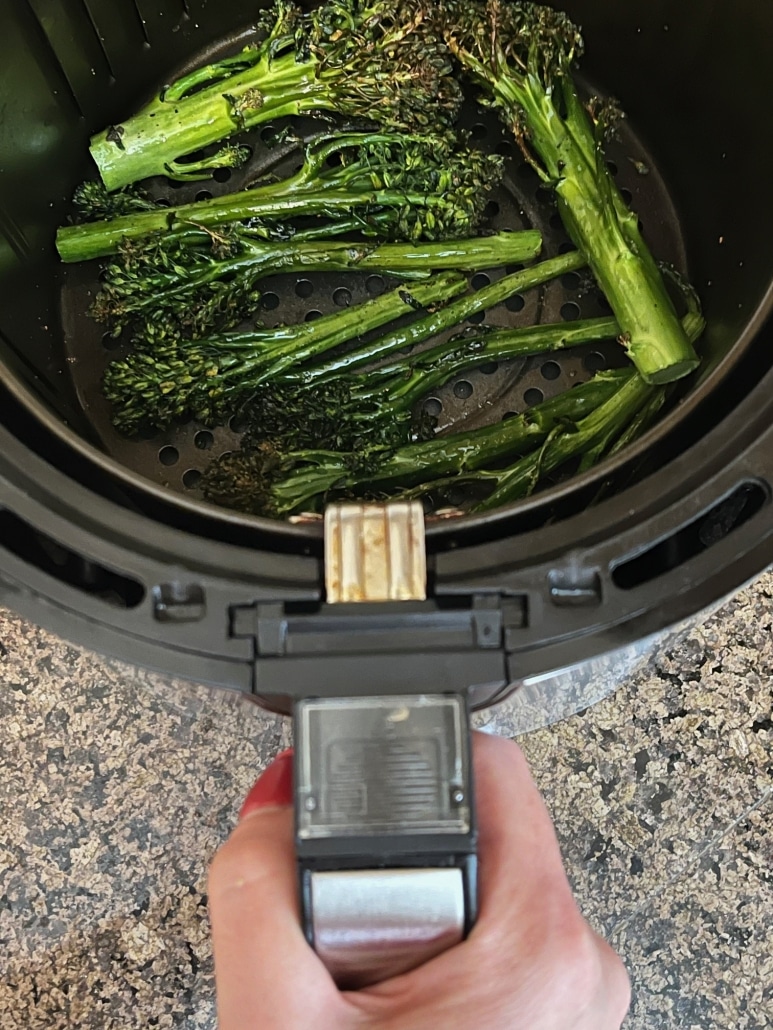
x: 116, y: 787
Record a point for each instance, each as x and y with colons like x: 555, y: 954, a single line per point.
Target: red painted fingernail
x: 273, y: 787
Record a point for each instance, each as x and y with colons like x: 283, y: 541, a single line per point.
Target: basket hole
x: 491, y: 209
x: 509, y: 414
x: 312, y: 315
x: 342, y: 297
x: 556, y: 221
x: 505, y: 149
x: 173, y: 184
x: 533, y: 396
x: 269, y: 301
x: 222, y: 174
x: 489, y: 368
x: 627, y: 196
x: 204, y: 440
x: 163, y: 202
x: 479, y: 131
x: 612, y: 167
x: 515, y: 303
x: 551, y: 370
x: 110, y: 342
x: 595, y: 361
x: 203, y: 195
x: 268, y: 134
x: 570, y: 281
x: 570, y: 311
x: 566, y: 248
x: 304, y: 288
x: 480, y: 280
x: 168, y: 456
x: 477, y: 318
x: 375, y: 285
x: 512, y: 269
x: 433, y: 406
x: 463, y: 390
x: 191, y: 478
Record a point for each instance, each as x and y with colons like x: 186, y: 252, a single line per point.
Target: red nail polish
x: 273, y: 787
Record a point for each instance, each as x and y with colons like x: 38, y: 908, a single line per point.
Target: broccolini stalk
x: 431, y: 189
x: 179, y: 288
x: 445, y: 318
x: 602, y: 415
x: 264, y: 481
x: 376, y: 408
x: 211, y: 378
x: 368, y: 60
x: 223, y: 372
x: 521, y: 54
x: 568, y: 441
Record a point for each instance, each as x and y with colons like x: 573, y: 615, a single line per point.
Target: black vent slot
x: 67, y: 566
x: 715, y: 525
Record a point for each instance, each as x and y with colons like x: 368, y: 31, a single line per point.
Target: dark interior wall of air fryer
x: 694, y: 76
x: 68, y: 67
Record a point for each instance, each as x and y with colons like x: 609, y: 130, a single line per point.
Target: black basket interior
x: 694, y: 157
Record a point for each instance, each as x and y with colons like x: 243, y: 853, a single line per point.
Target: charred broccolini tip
x: 372, y: 61
x: 93, y: 203
x: 396, y: 186
x: 210, y: 379
x: 216, y: 377
x: 521, y: 55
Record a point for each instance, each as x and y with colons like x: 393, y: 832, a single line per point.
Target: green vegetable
x: 210, y: 379
x: 185, y: 286
x: 582, y: 424
x: 405, y: 187
x: 376, y: 408
x: 215, y: 377
x: 368, y: 60
x: 445, y: 318
x: 266, y: 481
x: 521, y: 55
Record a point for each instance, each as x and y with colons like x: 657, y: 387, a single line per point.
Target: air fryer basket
x: 108, y: 540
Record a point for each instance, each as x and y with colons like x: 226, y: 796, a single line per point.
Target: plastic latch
x: 375, y: 552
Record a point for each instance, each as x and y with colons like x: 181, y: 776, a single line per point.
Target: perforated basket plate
x: 176, y: 458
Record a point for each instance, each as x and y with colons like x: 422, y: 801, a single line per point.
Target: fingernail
x: 273, y: 787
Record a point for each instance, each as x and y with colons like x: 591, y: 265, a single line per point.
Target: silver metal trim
x: 373, y: 925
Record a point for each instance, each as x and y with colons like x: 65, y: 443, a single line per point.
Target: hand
x: 530, y: 963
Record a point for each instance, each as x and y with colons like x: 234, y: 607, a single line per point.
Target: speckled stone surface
x: 116, y: 787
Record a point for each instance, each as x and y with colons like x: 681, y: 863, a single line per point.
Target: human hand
x: 531, y: 962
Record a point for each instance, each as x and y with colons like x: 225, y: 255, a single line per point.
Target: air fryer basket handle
x: 385, y: 832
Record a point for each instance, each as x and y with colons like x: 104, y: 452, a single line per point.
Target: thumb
x: 261, y: 954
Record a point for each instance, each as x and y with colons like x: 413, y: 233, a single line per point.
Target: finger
x: 259, y: 947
